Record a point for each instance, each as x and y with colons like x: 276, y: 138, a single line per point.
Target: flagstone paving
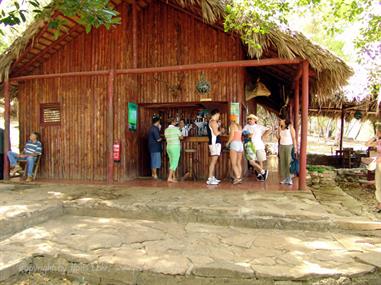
x: 114, y: 235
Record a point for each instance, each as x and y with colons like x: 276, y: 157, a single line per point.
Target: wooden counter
x: 200, y: 158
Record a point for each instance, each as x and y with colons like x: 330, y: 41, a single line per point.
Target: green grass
x: 318, y: 168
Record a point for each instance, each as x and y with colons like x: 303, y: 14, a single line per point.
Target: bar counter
x: 195, y: 155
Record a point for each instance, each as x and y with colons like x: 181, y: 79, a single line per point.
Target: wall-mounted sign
x: 234, y: 112
x: 132, y: 116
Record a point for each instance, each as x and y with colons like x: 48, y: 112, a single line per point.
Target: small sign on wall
x: 234, y: 112
x: 132, y: 116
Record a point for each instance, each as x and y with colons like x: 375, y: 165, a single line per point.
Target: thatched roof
x: 331, y: 73
x: 334, y: 108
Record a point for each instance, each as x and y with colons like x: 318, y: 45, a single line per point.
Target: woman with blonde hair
x: 236, y: 149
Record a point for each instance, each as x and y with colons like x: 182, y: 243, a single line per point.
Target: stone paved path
x: 111, y: 235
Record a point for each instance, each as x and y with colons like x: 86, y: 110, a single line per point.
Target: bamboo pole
x: 110, y: 127
x: 303, y: 147
x: 7, y: 120
x: 134, y: 35
x: 342, y: 129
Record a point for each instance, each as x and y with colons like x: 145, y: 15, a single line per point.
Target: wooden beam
x: 7, y: 120
x: 173, y: 68
x: 303, y: 146
x: 210, y: 65
x: 45, y: 51
x: 110, y: 127
x: 342, y: 128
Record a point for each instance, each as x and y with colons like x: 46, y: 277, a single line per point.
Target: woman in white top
x: 287, y: 143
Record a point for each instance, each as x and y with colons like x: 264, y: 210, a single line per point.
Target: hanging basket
x: 259, y: 90
x: 203, y: 86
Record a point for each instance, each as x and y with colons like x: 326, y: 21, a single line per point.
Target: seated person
x: 32, y: 149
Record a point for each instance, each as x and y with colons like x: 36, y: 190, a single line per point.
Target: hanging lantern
x: 203, y: 86
x: 358, y: 115
x: 259, y: 90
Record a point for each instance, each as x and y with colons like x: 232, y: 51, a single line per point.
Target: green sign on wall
x: 132, y: 116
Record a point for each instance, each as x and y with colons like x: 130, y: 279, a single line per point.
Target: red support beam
x: 210, y: 65
x: 296, y: 110
x: 173, y: 68
x: 7, y: 120
x: 110, y: 127
x: 303, y: 146
x: 134, y: 34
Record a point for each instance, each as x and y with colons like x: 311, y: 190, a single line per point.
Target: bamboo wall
x: 77, y: 148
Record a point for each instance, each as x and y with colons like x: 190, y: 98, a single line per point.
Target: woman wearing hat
x: 258, y: 131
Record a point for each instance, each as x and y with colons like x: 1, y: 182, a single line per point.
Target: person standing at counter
x: 154, y: 146
x: 258, y: 132
x: 236, y: 150
x: 173, y: 135
x: 184, y: 129
x: 214, y: 145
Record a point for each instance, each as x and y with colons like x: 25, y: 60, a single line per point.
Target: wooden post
x: 7, y: 120
x: 255, y: 107
x: 291, y: 111
x: 342, y: 129
x: 304, y: 131
x: 134, y: 35
x: 296, y: 111
x: 110, y: 128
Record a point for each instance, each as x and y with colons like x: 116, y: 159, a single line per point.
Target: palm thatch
x: 331, y: 72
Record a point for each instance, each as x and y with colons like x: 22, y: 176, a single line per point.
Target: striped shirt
x: 33, y: 147
x: 172, y: 135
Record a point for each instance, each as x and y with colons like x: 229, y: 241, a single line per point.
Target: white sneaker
x: 284, y: 181
x: 215, y: 179
x: 289, y: 181
x: 211, y: 181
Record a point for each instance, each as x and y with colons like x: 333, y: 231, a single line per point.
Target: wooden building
x: 75, y: 89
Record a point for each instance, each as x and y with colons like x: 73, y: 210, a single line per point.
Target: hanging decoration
x: 259, y: 90
x: 203, y: 86
x: 358, y: 115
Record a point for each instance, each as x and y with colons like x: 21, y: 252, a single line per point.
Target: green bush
x: 318, y: 168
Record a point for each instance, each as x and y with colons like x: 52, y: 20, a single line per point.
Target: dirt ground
x: 365, y: 195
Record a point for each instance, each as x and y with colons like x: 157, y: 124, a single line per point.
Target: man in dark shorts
x: 154, y: 145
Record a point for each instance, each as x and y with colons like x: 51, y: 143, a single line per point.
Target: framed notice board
x: 132, y: 116
x: 234, y: 112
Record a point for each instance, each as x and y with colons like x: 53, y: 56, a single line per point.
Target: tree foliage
x: 91, y: 13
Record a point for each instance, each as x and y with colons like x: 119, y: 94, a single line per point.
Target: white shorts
x: 261, y: 155
x: 236, y: 146
x: 215, y: 149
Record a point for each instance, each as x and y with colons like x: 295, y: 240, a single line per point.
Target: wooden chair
x: 35, y: 168
x: 345, y: 156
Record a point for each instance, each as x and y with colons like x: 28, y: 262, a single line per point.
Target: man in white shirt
x: 258, y: 132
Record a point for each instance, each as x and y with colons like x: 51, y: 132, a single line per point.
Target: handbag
x: 294, y: 165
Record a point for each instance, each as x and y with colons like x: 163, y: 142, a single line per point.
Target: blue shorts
x: 155, y: 159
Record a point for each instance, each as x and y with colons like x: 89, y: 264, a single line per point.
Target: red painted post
x: 296, y: 110
x: 110, y: 128
x: 303, y: 145
x: 7, y: 120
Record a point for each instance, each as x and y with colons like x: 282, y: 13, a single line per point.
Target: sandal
x: 237, y: 181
